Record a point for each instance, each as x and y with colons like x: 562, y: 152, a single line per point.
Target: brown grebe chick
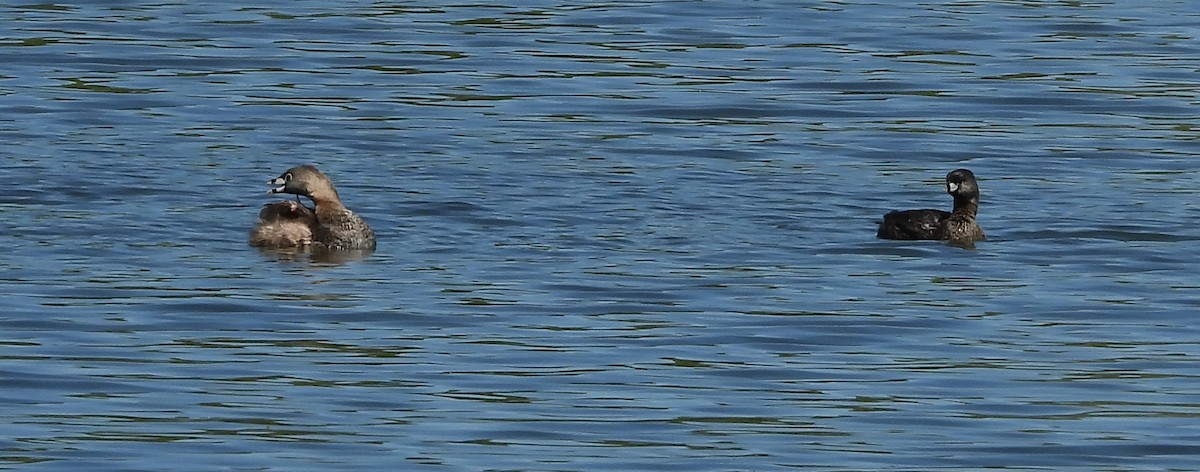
x: 283, y: 224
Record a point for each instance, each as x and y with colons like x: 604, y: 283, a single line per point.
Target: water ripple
x: 624, y: 236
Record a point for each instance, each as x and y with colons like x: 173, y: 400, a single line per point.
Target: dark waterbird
x: 957, y: 226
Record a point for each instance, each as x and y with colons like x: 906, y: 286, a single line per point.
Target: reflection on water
x: 619, y: 237
x: 315, y: 254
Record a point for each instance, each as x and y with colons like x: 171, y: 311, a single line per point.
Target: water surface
x: 619, y: 236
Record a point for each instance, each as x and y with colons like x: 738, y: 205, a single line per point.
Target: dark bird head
x: 961, y: 183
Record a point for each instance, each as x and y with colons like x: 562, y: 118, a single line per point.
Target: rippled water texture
x: 613, y: 236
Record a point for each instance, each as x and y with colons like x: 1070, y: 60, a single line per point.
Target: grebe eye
x: 287, y: 177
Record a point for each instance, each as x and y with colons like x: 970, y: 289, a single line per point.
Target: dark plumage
x: 956, y: 226
x: 337, y: 227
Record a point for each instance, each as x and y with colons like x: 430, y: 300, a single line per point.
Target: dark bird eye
x: 287, y: 177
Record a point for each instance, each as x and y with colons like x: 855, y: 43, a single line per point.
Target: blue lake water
x: 612, y: 236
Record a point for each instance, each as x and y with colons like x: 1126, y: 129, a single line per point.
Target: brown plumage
x: 336, y: 226
x: 283, y: 224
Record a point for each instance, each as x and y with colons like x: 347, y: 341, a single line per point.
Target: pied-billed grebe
x: 337, y: 227
x: 957, y: 226
x: 283, y: 224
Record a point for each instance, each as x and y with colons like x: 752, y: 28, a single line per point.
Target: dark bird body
x: 957, y: 226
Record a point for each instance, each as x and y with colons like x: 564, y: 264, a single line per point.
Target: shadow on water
x: 1108, y: 234
x: 315, y: 255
